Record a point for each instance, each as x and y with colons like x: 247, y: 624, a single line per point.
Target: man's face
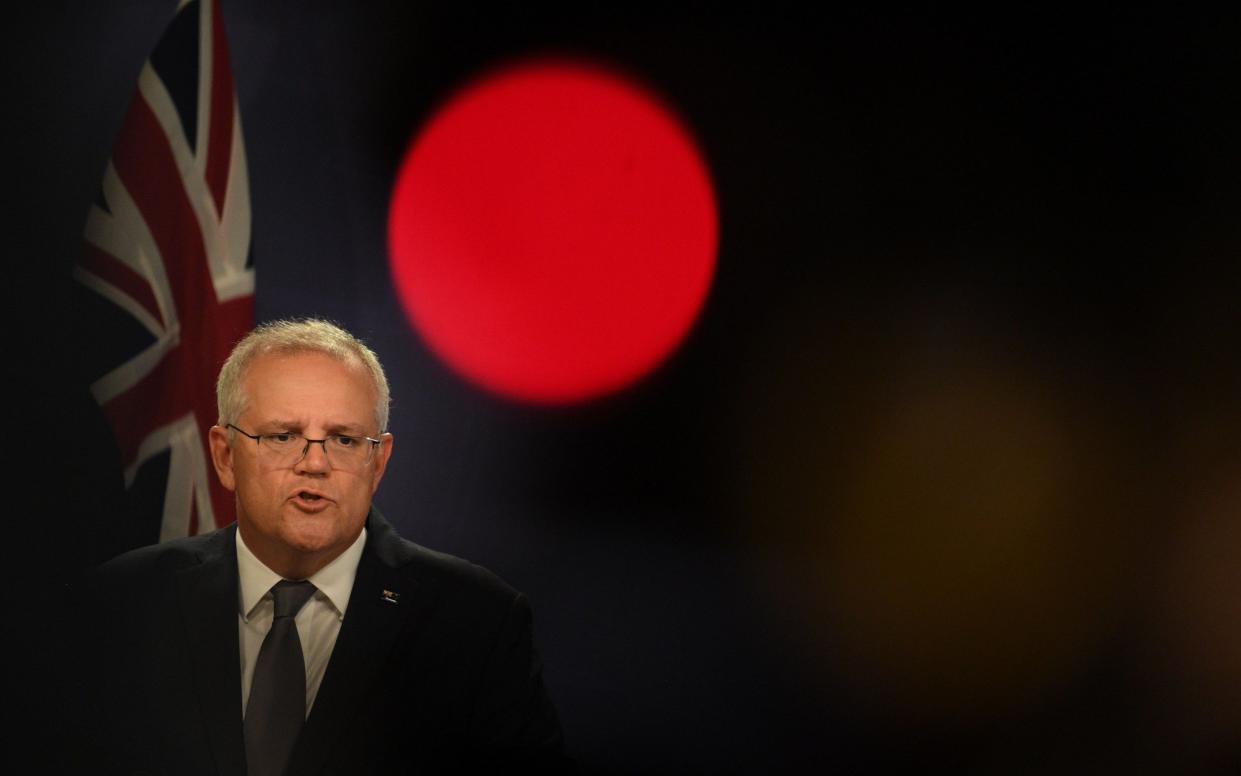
x: 298, y: 518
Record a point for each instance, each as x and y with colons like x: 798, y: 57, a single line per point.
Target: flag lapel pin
x: 390, y: 597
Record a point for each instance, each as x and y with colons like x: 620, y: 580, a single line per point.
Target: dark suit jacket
x: 433, y: 671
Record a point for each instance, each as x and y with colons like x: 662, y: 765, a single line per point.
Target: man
x: 410, y: 660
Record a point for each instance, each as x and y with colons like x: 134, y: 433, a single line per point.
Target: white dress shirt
x: 318, y: 622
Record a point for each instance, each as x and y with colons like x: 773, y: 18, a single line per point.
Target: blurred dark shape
x: 942, y: 523
x: 1192, y: 648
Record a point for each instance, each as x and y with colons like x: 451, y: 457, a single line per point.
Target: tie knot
x: 291, y: 596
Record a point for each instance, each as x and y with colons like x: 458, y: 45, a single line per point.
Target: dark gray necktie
x: 277, y: 705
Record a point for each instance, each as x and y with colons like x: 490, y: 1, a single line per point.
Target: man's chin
x: 309, y: 532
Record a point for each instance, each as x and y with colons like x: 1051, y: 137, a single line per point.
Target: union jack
x: 168, y: 247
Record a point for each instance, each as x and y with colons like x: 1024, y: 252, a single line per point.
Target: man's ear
x: 222, y: 456
x: 381, y: 460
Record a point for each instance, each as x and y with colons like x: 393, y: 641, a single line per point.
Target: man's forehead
x: 309, y: 386
x: 302, y: 366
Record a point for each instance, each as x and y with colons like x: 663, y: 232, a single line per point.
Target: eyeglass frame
x: 258, y: 441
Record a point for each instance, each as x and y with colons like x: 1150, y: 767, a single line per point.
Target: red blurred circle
x: 552, y: 231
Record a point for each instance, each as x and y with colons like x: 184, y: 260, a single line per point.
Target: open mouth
x: 308, y: 501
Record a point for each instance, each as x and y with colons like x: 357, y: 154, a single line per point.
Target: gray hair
x: 299, y: 335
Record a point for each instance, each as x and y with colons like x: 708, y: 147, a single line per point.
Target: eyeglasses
x: 283, y: 449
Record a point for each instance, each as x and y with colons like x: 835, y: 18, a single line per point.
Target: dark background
x: 945, y: 475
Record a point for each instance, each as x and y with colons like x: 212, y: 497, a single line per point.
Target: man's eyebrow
x: 281, y: 425
x: 344, y: 429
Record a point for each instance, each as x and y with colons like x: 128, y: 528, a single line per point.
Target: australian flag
x: 168, y: 273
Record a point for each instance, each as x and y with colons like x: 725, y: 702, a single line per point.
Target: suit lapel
x: 208, y: 607
x: 385, y: 598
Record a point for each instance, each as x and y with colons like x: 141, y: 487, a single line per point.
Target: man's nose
x: 315, y: 459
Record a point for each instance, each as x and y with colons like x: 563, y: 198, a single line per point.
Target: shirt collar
x: 334, y: 581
